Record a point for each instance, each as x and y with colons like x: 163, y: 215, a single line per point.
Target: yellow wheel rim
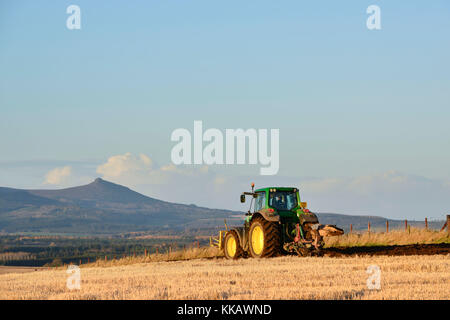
x: 231, y: 246
x: 257, y: 240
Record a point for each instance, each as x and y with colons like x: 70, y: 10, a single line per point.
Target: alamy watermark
x: 74, y: 280
x: 374, y: 20
x: 73, y: 22
x: 374, y: 279
x: 190, y: 150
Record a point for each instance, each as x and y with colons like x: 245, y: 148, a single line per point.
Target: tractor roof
x: 277, y: 188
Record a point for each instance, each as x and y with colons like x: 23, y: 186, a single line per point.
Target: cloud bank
x: 58, y: 176
x: 390, y: 194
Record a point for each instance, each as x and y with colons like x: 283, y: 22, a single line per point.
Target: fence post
x: 145, y: 253
x: 351, y: 228
x: 426, y: 224
x: 446, y: 224
x: 106, y: 258
x: 368, y: 226
x: 406, y: 225
x: 387, y: 226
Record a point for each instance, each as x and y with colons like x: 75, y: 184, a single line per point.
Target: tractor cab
x: 282, y: 202
x: 277, y: 222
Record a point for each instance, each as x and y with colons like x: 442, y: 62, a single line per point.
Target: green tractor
x: 276, y: 223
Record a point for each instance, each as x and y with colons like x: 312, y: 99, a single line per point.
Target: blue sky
x: 349, y: 102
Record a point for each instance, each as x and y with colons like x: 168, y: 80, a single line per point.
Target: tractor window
x: 260, y: 201
x: 283, y: 200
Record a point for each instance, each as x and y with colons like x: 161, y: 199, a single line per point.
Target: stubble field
x: 288, y: 277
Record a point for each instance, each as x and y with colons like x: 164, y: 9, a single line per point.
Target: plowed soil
x: 404, y: 250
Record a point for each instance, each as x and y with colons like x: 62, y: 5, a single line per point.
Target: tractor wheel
x: 232, y: 248
x: 264, y: 238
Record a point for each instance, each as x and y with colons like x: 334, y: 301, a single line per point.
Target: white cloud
x: 58, y: 176
x: 125, y: 164
x: 166, y: 182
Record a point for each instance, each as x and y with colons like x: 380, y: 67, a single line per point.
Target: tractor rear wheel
x: 231, y: 246
x: 264, y: 238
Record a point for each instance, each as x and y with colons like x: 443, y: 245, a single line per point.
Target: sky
x: 363, y: 114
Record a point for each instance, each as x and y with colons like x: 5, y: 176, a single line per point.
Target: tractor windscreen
x: 283, y: 200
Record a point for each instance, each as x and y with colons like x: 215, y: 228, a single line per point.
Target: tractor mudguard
x: 269, y: 215
x: 243, y: 236
x: 308, y: 218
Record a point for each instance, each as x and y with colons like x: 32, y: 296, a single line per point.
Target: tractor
x: 276, y: 223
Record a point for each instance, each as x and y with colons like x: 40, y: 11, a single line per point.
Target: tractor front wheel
x: 232, y: 248
x: 264, y: 238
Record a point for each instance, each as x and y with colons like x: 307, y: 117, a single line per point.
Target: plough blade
x: 330, y: 230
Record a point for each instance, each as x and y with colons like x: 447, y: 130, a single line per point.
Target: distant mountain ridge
x: 98, y: 191
x: 11, y: 199
x: 98, y: 207
x: 103, y: 207
x: 377, y: 223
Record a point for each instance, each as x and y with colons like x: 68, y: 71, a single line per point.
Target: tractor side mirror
x: 242, y: 198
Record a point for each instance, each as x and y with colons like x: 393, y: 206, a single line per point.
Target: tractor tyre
x: 231, y: 246
x: 264, y: 238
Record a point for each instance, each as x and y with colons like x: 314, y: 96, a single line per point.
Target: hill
x: 98, y: 207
